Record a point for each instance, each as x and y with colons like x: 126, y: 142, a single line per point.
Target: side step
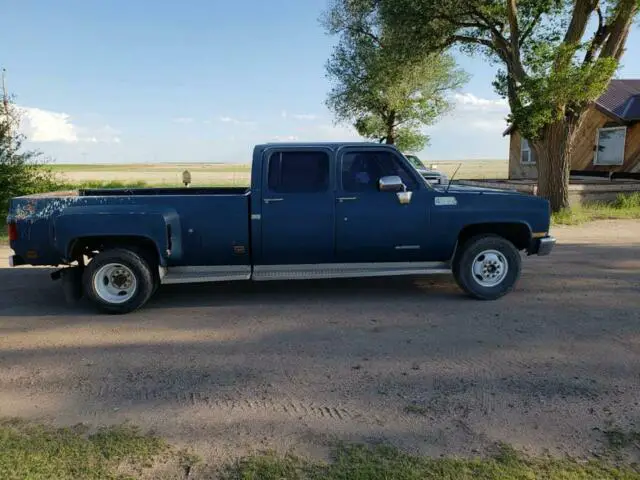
x: 347, y: 270
x: 202, y: 274
x: 227, y: 273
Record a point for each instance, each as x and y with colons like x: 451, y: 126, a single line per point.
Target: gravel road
x: 234, y: 368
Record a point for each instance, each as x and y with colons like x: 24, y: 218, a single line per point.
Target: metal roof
x: 621, y: 99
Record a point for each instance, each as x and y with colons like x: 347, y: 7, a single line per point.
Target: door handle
x: 271, y: 200
x: 347, y: 199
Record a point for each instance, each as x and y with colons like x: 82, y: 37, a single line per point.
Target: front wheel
x: 118, y: 281
x: 487, y: 267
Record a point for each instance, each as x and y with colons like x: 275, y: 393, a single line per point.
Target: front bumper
x: 542, y: 246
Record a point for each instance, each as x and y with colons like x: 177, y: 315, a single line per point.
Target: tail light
x: 12, y: 228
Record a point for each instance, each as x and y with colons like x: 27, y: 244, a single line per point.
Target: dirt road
x: 232, y: 368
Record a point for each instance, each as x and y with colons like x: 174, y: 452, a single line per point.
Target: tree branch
x: 514, y: 33
x: 467, y: 39
x: 581, y: 13
x: 614, y: 44
x: 363, y: 31
x: 530, y: 27
x: 598, y: 37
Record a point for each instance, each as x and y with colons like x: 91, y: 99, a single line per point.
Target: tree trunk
x: 553, y: 156
x: 391, y: 128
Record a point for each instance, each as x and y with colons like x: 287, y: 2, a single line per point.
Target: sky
x: 203, y: 81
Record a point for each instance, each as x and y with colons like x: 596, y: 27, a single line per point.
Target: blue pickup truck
x: 313, y: 211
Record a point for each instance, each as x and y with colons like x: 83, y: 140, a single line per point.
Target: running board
x: 227, y: 273
x: 202, y: 274
x: 347, y: 270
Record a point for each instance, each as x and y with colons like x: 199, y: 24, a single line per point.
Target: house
x: 609, y: 140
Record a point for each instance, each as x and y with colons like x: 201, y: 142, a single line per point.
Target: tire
x: 118, y: 281
x: 487, y: 267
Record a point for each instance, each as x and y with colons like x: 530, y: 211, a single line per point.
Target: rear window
x: 298, y: 172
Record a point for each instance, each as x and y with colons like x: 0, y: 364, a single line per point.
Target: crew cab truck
x: 313, y: 211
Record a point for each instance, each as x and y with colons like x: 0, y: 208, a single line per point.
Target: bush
x: 22, y: 172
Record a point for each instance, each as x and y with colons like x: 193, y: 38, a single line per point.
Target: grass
x: 625, y: 207
x: 29, y: 451
x: 359, y: 462
x: 37, y: 452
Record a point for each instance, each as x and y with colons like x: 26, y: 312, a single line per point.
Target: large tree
x: 386, y: 99
x: 555, y: 57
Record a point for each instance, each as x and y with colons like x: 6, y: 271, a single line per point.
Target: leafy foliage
x: 22, y: 172
x: 386, y: 97
x: 555, y: 57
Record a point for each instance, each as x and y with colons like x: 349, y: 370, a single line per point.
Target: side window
x: 361, y: 171
x: 298, y: 172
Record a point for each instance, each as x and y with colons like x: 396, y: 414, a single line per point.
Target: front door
x: 371, y: 225
x: 298, y: 207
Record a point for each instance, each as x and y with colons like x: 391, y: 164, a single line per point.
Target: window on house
x: 526, y: 152
x: 610, y: 146
x: 299, y: 172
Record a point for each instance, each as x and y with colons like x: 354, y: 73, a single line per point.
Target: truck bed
x: 199, y: 226
x: 116, y: 192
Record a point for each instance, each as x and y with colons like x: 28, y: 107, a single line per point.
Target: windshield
x: 415, y: 161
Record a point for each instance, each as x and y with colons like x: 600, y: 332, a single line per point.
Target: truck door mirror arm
x: 393, y: 183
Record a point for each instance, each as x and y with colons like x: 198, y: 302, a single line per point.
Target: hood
x: 456, y: 188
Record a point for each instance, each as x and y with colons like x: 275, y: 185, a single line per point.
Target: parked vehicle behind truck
x: 317, y: 210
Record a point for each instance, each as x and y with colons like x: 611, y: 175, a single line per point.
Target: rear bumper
x: 542, y: 246
x: 16, y: 260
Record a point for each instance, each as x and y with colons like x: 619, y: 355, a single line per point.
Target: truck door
x: 297, y: 207
x: 372, y: 225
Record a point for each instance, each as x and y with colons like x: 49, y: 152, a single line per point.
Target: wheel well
x: 517, y: 233
x: 89, y: 246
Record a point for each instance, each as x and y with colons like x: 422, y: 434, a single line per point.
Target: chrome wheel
x: 115, y: 283
x: 489, y: 268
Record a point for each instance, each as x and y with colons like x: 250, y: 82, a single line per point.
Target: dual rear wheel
x: 119, y: 280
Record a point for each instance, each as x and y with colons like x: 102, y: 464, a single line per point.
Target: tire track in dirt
x: 235, y: 404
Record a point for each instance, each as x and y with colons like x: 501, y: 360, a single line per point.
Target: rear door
x: 373, y: 226
x: 297, y: 207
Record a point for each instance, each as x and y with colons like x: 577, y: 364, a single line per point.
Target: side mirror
x: 392, y: 183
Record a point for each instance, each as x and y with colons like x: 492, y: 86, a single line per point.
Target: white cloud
x: 469, y: 102
x: 286, y: 138
x: 304, y: 116
x: 473, y: 129
x: 43, y: 126
x: 183, y: 120
x: 474, y: 113
x: 299, y: 116
x: 235, y: 121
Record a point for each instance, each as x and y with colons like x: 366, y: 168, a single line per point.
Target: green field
x: 229, y: 174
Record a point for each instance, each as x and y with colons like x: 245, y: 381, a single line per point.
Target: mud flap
x: 72, y: 284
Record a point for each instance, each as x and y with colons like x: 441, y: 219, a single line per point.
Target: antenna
x: 452, y: 177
